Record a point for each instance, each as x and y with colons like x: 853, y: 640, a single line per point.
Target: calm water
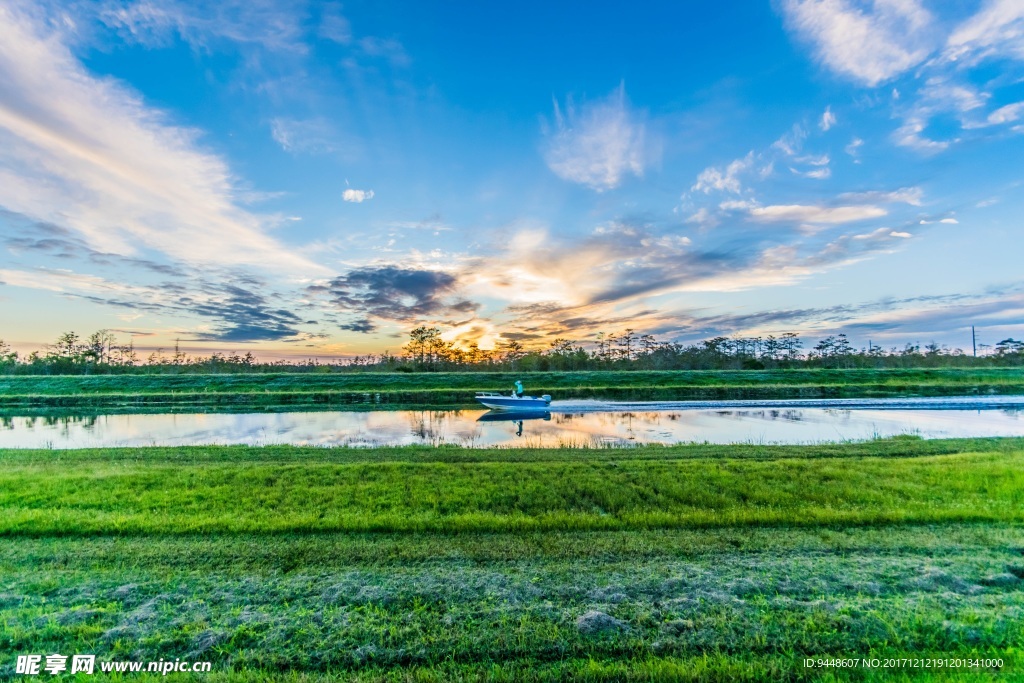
x: 569, y: 422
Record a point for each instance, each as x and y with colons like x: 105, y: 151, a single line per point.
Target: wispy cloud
x: 598, y: 143
x: 878, y: 41
x: 996, y: 30
x: 853, y: 149
x: 89, y: 154
x: 815, y: 173
x: 828, y: 119
x: 617, y: 294
x: 1007, y: 114
x: 905, y: 195
x: 240, y: 308
x: 911, y: 134
x: 333, y: 24
x: 818, y: 166
x: 869, y: 43
x: 385, y: 48
x: 800, y: 213
x: 310, y: 136
x: 258, y: 22
x: 792, y: 141
x: 726, y: 179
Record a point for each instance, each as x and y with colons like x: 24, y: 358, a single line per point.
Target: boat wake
x: 919, y: 403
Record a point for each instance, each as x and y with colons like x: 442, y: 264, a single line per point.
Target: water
x: 568, y: 423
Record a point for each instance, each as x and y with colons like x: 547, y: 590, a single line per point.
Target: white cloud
x: 599, y: 144
x: 357, y: 196
x: 817, y: 173
x: 1007, y: 114
x: 737, y: 205
x: 828, y: 119
x: 60, y: 280
x: 704, y: 218
x: 896, y: 233
x: 910, y: 135
x: 950, y: 221
x: 853, y: 149
x: 333, y: 25
x: 792, y: 141
x: 726, y: 180
x: 799, y: 213
x: 868, y: 43
x: 814, y: 161
x: 88, y: 154
x: 942, y: 94
x: 304, y: 136
x: 906, y: 195
x: 257, y: 22
x: 997, y: 29
x: 385, y: 48
x: 819, y: 164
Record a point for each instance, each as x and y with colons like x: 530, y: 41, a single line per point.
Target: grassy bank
x: 454, y: 389
x: 666, y: 563
x: 154, y: 497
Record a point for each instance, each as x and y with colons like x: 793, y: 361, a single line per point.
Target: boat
x: 496, y: 401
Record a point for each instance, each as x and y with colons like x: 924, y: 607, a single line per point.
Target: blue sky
x: 299, y: 178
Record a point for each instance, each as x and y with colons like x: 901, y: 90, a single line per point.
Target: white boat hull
x: 500, y: 402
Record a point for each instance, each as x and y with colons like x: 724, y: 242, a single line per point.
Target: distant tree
x: 1009, y: 346
x: 626, y: 342
x: 790, y: 346
x: 7, y: 356
x: 98, y: 347
x: 561, y: 347
x: 67, y: 346
x: 421, y: 342
x: 511, y: 351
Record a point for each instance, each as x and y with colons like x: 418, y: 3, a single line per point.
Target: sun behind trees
x: 426, y: 351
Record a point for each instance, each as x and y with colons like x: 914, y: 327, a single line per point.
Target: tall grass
x: 437, y: 389
x: 141, y: 497
x: 705, y: 563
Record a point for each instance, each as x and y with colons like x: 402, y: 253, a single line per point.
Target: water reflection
x: 516, y: 417
x: 484, y: 428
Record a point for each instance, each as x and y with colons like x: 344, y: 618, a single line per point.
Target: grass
x: 703, y: 563
x: 271, y: 391
x: 152, y: 497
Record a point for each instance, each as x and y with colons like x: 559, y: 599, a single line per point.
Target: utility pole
x: 974, y: 342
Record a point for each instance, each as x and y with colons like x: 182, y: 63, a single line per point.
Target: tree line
x: 427, y: 351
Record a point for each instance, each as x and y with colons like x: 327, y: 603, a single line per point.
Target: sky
x: 302, y: 179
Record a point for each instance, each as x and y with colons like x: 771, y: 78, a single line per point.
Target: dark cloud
x: 362, y: 325
x: 391, y: 293
x: 245, y: 316
x: 241, y: 304
x: 521, y: 336
x: 57, y: 242
x: 1003, y: 312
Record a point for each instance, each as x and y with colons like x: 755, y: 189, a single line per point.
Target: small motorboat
x: 496, y: 401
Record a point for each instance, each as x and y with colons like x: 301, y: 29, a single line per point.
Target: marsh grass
x: 454, y: 389
x: 704, y: 563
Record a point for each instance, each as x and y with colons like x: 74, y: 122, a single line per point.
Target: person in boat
x: 517, y: 390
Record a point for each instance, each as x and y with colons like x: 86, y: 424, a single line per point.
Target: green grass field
x: 709, y: 563
x: 456, y: 389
